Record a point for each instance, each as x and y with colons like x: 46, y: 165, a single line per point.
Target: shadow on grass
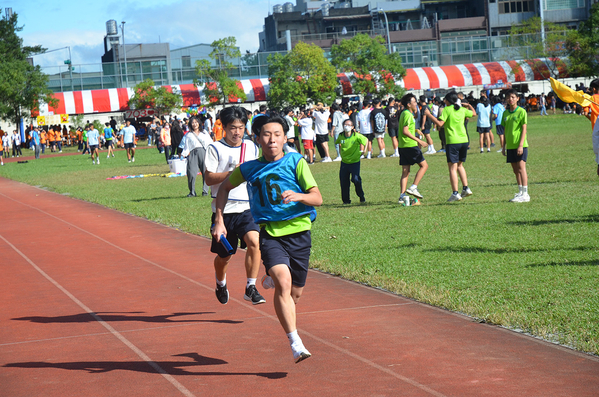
x: 170, y: 367
x: 482, y: 250
x: 113, y: 317
x: 564, y: 263
x: 582, y: 219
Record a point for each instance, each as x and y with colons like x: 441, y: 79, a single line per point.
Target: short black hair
x: 230, y: 114
x: 261, y: 121
x: 594, y: 84
x: 376, y: 101
x: 510, y: 92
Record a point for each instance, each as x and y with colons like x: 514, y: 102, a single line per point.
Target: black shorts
x: 426, y: 132
x: 292, y: 250
x: 370, y: 137
x: 322, y: 138
x: 129, y: 145
x: 237, y: 226
x: 410, y: 156
x: 108, y: 143
x: 93, y: 147
x: 500, y: 130
x: 393, y: 131
x: 512, y: 155
x: 483, y: 130
x: 456, y: 152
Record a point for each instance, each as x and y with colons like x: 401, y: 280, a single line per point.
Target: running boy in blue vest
x: 282, y: 194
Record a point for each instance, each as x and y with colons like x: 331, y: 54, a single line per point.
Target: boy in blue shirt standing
x: 282, y: 194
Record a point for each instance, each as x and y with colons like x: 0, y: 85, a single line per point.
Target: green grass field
x: 531, y: 266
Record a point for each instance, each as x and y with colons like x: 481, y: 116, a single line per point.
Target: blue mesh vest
x: 266, y: 182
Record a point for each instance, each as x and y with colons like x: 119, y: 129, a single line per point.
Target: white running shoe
x: 93, y: 162
x: 133, y: 159
x: 108, y: 156
x: 381, y: 156
x: 466, y: 192
x: 523, y: 198
x: 394, y: 155
x: 327, y: 160
x: 454, y: 197
x: 414, y: 192
x: 267, y: 282
x: 300, y: 353
x: 338, y: 158
x: 516, y: 196
x: 98, y: 161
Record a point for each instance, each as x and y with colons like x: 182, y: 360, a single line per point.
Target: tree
x: 528, y: 45
x: 147, y: 96
x: 375, y: 71
x: 22, y: 86
x: 301, y: 76
x: 218, y: 86
x: 583, y: 46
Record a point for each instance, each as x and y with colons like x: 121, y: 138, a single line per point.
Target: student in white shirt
x: 321, y: 118
x: 307, y: 133
x: 195, y: 144
x: 222, y: 158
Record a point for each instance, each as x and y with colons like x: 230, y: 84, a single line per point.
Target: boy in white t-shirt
x: 222, y: 157
x: 307, y: 133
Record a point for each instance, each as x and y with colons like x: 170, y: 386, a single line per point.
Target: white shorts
x: 377, y: 136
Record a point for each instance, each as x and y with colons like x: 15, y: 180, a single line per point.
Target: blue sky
x: 81, y: 24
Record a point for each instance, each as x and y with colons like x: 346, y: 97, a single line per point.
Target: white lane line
x: 274, y: 318
x: 114, y: 332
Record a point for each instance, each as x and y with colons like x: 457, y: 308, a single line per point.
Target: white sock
x: 294, y: 338
x: 432, y: 148
x: 413, y: 186
x: 251, y: 281
x: 524, y: 189
x: 219, y: 282
x: 520, y: 189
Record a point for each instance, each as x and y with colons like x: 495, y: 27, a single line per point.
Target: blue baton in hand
x: 226, y: 244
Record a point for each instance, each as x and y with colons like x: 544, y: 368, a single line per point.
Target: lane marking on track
x: 241, y: 302
x: 114, y: 332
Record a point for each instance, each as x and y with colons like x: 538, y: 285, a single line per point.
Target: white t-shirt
x: 291, y: 123
x: 220, y: 157
x: 364, y: 121
x: 306, y: 131
x: 320, y: 120
x: 128, y: 134
x: 193, y: 142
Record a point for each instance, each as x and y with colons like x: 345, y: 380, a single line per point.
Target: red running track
x: 99, y: 303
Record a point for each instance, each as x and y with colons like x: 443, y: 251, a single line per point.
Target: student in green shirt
x: 351, y: 146
x: 515, y: 145
x: 409, y: 152
x: 282, y: 200
x: 456, y: 138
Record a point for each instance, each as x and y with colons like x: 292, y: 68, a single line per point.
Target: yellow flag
x: 568, y: 95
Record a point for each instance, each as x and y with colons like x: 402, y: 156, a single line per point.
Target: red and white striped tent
x: 475, y: 74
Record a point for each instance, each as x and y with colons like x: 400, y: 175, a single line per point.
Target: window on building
x: 562, y: 4
x: 186, y: 61
x: 514, y: 6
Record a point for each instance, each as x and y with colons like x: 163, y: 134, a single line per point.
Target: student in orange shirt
x: 43, y: 139
x: 51, y: 138
x: 79, y: 139
x: 218, y: 130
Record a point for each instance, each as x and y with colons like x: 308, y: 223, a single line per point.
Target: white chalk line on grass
x: 274, y: 318
x: 114, y: 332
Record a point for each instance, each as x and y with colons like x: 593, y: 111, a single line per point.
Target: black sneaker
x: 222, y: 294
x: 252, y: 295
